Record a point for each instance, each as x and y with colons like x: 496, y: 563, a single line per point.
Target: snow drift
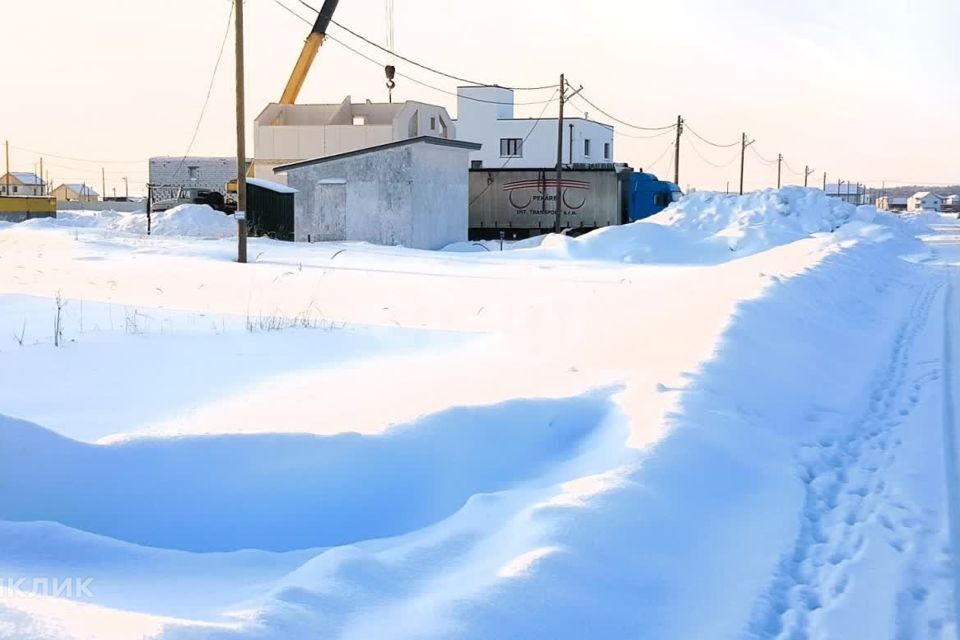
x: 193, y: 220
x: 709, y: 228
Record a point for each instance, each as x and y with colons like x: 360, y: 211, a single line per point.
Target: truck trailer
x: 521, y: 203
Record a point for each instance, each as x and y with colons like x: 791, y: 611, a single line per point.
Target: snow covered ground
x: 733, y: 420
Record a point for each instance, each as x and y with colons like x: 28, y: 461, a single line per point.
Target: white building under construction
x: 289, y: 133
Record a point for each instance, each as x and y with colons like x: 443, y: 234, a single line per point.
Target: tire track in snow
x: 952, y: 465
x: 844, y: 486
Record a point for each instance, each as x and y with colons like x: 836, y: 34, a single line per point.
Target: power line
x: 421, y: 65
x: 766, y: 161
x: 791, y: 170
x: 624, y: 122
x: 650, y: 167
x: 59, y: 157
x: 617, y: 132
x: 206, y: 101
x: 411, y: 78
x: 687, y: 127
x: 712, y: 164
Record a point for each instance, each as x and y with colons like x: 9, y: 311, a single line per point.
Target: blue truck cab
x: 648, y: 195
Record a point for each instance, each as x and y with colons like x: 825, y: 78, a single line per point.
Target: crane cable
x: 411, y: 78
x: 421, y: 65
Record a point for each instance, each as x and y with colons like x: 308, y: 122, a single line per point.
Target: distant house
x: 22, y: 184
x: 952, y: 203
x: 75, y: 192
x: 892, y: 203
x: 193, y: 172
x: 850, y: 192
x: 925, y: 201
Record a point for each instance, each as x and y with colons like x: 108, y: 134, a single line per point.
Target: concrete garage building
x: 413, y: 193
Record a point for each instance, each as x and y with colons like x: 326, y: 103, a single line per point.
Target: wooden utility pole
x: 779, y: 168
x: 563, y: 99
x: 126, y: 188
x: 558, y: 206
x: 103, y: 182
x: 824, y: 181
x: 743, y: 157
x: 676, y: 152
x: 241, y: 214
x: 7, y: 192
x: 149, y: 207
x: 42, y: 183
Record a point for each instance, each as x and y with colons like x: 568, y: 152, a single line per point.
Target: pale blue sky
x: 864, y: 90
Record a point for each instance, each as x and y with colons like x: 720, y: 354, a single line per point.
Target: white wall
x: 211, y: 173
x: 488, y: 123
x: 20, y: 190
x: 930, y: 203
x: 413, y: 195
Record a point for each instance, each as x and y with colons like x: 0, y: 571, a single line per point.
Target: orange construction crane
x: 310, y: 48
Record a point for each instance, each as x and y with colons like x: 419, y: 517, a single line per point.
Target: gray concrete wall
x: 20, y: 216
x: 123, y: 207
x: 211, y: 173
x: 414, y: 196
x: 440, y: 214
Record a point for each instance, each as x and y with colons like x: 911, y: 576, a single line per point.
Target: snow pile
x: 709, y: 228
x: 759, y: 221
x: 193, y: 220
x: 481, y: 246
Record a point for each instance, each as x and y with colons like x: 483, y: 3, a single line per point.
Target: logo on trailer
x: 522, y: 193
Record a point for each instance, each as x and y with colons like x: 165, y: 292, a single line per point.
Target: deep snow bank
x: 708, y: 228
x: 285, y: 492
x: 194, y: 220
x: 711, y: 533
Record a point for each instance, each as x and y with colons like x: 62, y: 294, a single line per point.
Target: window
x: 433, y: 123
x: 16, y: 189
x: 359, y: 121
x: 193, y: 173
x: 511, y: 148
x: 476, y: 164
x: 586, y: 147
x: 606, y: 150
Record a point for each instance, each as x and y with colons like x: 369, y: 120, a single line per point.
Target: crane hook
x: 391, y: 72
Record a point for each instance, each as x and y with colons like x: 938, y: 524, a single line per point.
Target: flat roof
x: 440, y: 142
